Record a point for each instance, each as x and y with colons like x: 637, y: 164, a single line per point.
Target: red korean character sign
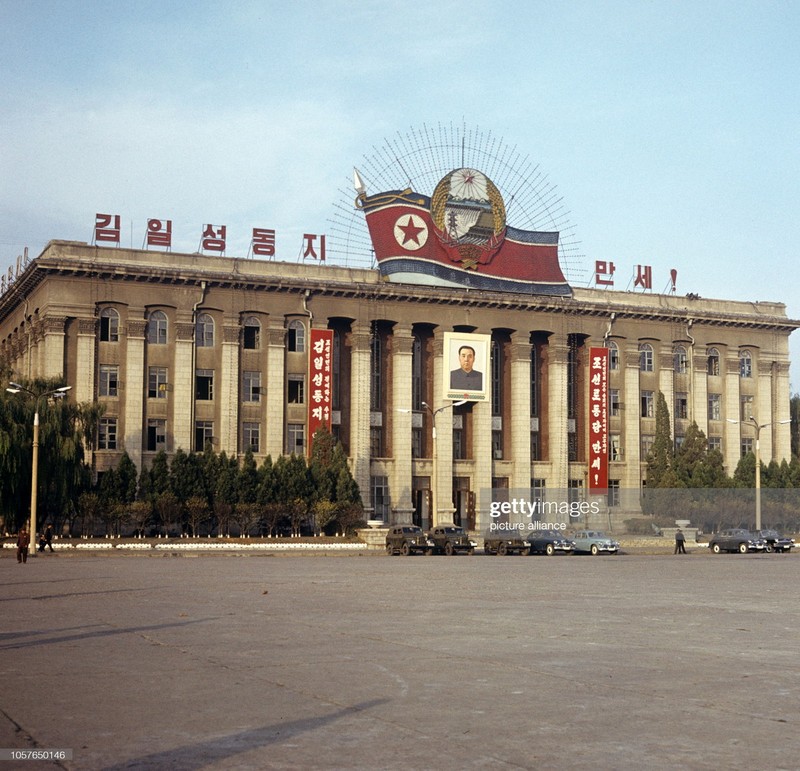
x: 159, y: 233
x: 263, y: 242
x: 598, y: 420
x: 213, y: 238
x: 320, y: 376
x: 310, y: 247
x: 107, y: 228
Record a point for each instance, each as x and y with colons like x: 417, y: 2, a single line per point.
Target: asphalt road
x: 372, y: 662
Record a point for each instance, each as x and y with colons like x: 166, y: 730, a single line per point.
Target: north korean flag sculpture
x: 459, y: 237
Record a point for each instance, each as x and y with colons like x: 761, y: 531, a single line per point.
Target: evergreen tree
x: 659, y: 459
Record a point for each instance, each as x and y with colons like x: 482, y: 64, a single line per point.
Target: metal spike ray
x: 421, y: 157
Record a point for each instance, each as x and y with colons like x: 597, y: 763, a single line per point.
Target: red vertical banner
x: 598, y: 420
x: 320, y: 375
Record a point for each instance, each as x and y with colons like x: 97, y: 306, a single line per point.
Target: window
x: 376, y: 441
x: 681, y: 360
x: 417, y: 384
x: 535, y: 451
x: 679, y: 441
x: 203, y: 433
x: 296, y: 341
x: 295, y: 389
x: 109, y: 380
x: 715, y: 443
x: 251, y: 337
x: 251, y: 436
x: 416, y: 443
x: 459, y: 450
x: 614, y: 447
x: 613, y: 402
x: 537, y: 490
x: 647, y: 444
x: 572, y: 447
x: 746, y: 445
x: 745, y: 364
x: 682, y: 406
x: 715, y: 406
x: 375, y: 371
x: 380, y: 497
x: 157, y: 328
x: 336, y: 365
x: 746, y: 408
x: 157, y: 383
x: 496, y: 357
x: 535, y: 396
x: 613, y: 492
x: 107, y: 434
x: 613, y: 356
x: 296, y: 433
x: 204, y: 331
x: 713, y: 362
x: 647, y: 404
x: 645, y: 357
x: 497, y: 445
x: 251, y: 386
x: 109, y: 326
x: 156, y: 435
x: 575, y: 490
x: 204, y: 385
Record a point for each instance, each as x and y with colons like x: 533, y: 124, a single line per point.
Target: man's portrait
x: 467, y: 356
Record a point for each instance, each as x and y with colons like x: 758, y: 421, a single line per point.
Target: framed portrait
x: 466, y: 366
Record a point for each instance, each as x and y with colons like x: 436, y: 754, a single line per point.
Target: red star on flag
x: 411, y: 231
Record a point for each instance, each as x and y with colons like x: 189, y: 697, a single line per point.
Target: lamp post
x: 758, y: 426
x: 435, y: 481
x: 59, y: 393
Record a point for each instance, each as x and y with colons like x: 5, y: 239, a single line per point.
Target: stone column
x: 400, y: 420
x: 133, y: 394
x: 731, y: 410
x: 699, y: 395
x: 85, y: 361
x: 53, y: 346
x: 782, y: 431
x: 229, y: 390
x: 632, y: 423
x: 360, y: 411
x: 763, y: 408
x: 183, y: 385
x: 520, y: 410
x: 557, y: 416
x: 276, y: 387
x: 442, y: 472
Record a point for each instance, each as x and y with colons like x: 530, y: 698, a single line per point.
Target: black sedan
x: 775, y: 541
x: 550, y: 542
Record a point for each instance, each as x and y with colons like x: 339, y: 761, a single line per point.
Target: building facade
x: 181, y: 349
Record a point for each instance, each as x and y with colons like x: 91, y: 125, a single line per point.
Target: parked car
x: 775, y: 541
x: 449, y: 539
x: 406, y: 539
x: 550, y: 542
x: 736, y: 539
x: 506, y: 544
x: 594, y: 542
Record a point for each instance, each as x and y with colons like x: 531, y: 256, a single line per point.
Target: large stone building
x: 183, y: 348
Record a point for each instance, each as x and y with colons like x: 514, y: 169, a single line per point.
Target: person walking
x: 48, y: 537
x: 680, y: 542
x: 22, y: 545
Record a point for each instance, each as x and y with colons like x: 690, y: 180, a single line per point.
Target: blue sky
x: 668, y: 128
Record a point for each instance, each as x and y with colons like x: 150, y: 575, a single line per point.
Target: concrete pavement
x: 371, y: 662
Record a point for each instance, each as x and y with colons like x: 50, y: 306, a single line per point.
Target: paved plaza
x: 370, y: 662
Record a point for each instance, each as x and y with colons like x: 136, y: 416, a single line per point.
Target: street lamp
x: 57, y: 393
x: 758, y: 426
x: 434, y: 484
